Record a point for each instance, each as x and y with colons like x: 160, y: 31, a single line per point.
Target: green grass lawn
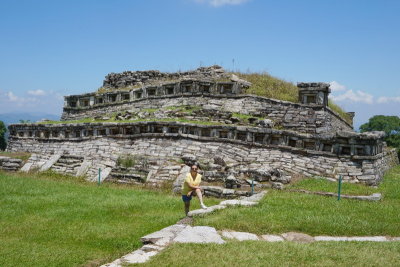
x: 282, y: 211
x: 258, y: 253
x: 323, y: 185
x: 51, y: 220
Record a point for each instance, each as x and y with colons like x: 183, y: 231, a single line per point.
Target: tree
x: 3, y: 130
x: 389, y: 124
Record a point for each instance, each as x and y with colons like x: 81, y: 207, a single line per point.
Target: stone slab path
x: 183, y: 233
x: 373, y: 197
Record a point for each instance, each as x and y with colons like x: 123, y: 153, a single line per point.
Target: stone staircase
x: 68, y: 164
x: 127, y: 175
x: 164, y: 172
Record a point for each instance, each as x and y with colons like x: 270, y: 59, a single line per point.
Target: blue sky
x: 49, y: 49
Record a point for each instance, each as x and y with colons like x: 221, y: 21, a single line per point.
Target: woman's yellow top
x: 190, y: 180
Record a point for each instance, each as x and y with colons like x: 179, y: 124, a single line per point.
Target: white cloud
x: 386, y: 99
x: 11, y: 97
x: 335, y: 86
x: 36, y: 92
x: 219, y: 3
x: 358, y: 96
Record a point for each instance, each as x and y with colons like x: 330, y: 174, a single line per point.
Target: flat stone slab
x: 53, y: 159
x: 138, y: 256
x: 256, y: 197
x: 241, y: 236
x: 298, y: 237
x: 205, y: 211
x: 82, y: 170
x: 164, y: 236
x: 236, y: 202
x: 103, y: 174
x: 272, y: 238
x: 199, y: 234
x: 27, y: 167
x: 148, y: 248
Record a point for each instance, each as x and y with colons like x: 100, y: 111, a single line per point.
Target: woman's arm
x: 193, y: 186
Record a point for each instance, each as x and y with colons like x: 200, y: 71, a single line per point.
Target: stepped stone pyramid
x: 164, y: 119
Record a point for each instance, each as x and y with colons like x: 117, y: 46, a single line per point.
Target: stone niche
x: 314, y: 93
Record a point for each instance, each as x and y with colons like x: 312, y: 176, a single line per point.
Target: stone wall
x: 10, y: 164
x: 292, y: 116
x: 358, y: 157
x: 340, y: 143
x: 128, y: 79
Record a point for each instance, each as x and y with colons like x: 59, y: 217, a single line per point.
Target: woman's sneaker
x: 203, y: 206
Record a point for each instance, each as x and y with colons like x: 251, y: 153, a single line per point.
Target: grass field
x: 258, y: 253
x: 282, y: 211
x: 50, y: 220
x: 53, y: 220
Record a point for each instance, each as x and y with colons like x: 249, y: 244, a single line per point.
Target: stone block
x: 27, y: 167
x: 53, y: 159
x: 272, y: 238
x: 235, y: 202
x: 241, y: 236
x: 298, y: 237
x: 199, y: 234
x: 164, y: 234
x: 82, y: 170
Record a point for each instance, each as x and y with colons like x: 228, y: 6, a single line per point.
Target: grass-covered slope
x: 264, y: 84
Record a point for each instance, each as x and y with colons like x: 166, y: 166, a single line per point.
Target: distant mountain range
x: 10, y: 118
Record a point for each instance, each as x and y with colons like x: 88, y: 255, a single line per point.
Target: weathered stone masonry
x: 315, y: 141
x: 310, y: 118
x: 358, y: 157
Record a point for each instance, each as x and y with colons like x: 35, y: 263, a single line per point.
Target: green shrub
x: 126, y: 161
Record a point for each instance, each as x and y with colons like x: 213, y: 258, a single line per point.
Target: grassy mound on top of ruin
x: 284, y: 211
x: 264, y: 84
x: 53, y: 220
x: 259, y: 253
